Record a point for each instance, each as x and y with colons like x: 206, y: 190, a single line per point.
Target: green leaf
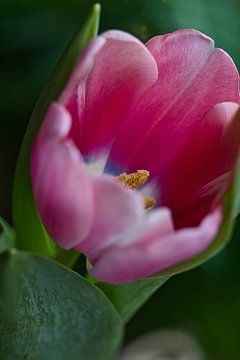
x: 26, y: 220
x: 128, y: 298
x: 6, y: 236
x: 49, y: 312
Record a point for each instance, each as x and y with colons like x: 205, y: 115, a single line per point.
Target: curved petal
x: 116, y: 210
x: 62, y: 190
x: 200, y: 174
x: 193, y: 77
x: 153, y: 251
x: 74, y: 94
x: 114, y: 71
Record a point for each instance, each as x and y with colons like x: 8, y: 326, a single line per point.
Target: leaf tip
x: 95, y: 14
x: 96, y: 9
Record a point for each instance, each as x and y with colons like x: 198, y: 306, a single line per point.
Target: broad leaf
x: 49, y: 312
x: 27, y: 222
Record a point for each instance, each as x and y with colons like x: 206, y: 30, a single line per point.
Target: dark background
x: 33, y: 33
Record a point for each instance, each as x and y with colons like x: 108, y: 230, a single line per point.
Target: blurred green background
x: 33, y: 33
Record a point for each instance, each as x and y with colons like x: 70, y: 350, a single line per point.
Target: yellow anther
x: 149, y: 202
x: 134, y: 180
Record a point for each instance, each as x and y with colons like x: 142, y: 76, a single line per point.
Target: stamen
x: 134, y: 180
x: 149, y: 202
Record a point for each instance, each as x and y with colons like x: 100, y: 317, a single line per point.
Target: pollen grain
x: 134, y: 180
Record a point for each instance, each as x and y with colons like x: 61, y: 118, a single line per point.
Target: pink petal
x: 193, y: 77
x: 73, y: 96
x: 116, y: 210
x: 61, y: 188
x: 114, y: 71
x: 153, y: 251
x: 200, y: 174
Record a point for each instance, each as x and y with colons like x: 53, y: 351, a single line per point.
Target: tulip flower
x: 133, y: 160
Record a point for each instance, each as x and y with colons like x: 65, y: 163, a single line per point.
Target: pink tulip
x: 169, y: 108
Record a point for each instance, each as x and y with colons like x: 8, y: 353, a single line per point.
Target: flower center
x: 134, y: 181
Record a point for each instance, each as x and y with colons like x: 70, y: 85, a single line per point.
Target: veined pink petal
x: 153, y: 251
x: 62, y: 190
x: 200, y: 174
x: 192, y: 78
x: 116, y: 210
x: 73, y: 96
x: 114, y: 71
